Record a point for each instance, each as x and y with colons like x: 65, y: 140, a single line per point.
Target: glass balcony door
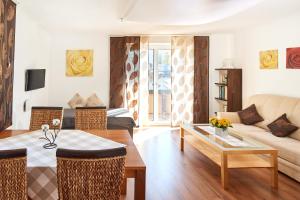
x: 159, y: 85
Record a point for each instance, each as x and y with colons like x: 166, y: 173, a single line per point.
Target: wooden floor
x: 174, y: 175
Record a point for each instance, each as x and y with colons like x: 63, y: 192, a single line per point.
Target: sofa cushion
x: 282, y: 127
x: 250, y: 116
x: 93, y: 101
x: 76, y: 101
x: 288, y: 147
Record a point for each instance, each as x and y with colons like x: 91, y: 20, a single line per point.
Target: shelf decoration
x: 293, y: 58
x: 50, y: 136
x: 228, y: 63
x: 224, y: 79
x: 269, y: 59
x: 222, y: 93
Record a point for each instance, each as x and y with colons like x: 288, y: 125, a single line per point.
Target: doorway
x: 159, y: 84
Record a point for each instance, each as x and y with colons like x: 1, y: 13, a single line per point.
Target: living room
x: 187, y: 99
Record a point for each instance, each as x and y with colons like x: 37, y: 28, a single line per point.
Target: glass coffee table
x: 232, y: 151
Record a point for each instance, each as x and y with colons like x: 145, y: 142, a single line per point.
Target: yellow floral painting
x: 269, y: 59
x: 79, y: 63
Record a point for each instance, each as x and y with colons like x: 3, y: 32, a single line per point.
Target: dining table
x: 41, y: 162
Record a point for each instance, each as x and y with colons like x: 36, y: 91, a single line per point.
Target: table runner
x: 41, y: 163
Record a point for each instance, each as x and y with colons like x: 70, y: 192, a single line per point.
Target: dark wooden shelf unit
x: 233, y: 89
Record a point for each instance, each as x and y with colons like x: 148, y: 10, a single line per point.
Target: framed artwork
x: 79, y: 63
x: 268, y: 59
x: 293, y: 58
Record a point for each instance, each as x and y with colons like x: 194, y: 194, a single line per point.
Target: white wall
x: 63, y: 88
x: 280, y: 35
x: 32, y: 50
x: 35, y: 48
x: 221, y: 47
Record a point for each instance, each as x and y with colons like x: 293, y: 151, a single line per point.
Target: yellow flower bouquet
x: 220, y: 123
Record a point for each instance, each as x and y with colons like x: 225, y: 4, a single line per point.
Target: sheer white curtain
x: 144, y: 92
x: 182, y: 79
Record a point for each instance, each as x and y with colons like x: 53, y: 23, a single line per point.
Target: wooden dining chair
x: 87, y: 118
x: 90, y: 174
x: 44, y: 115
x: 13, y: 175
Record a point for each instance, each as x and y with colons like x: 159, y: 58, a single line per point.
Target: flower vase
x: 221, y: 132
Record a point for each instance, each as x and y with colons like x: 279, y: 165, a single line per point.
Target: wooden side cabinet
x: 230, y: 89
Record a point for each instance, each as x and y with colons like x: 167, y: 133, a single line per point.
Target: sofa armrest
x: 232, y: 116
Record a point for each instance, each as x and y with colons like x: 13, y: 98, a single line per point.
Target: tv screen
x: 35, y: 79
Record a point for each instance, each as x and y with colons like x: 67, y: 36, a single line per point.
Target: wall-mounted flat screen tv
x: 35, y: 79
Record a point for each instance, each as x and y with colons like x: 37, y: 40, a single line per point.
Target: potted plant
x: 220, y: 125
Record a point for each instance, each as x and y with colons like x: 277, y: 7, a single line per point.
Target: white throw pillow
x: 94, y: 101
x: 77, y: 101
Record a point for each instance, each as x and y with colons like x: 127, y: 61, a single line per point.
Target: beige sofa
x: 270, y: 107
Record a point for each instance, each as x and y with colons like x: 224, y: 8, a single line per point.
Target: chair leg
x: 124, y: 186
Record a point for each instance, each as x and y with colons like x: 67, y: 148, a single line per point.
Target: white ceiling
x: 155, y: 16
x: 186, y: 12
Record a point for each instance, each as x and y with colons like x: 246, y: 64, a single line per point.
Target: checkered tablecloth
x: 41, y: 163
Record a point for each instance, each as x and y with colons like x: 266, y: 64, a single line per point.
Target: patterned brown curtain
x: 117, y: 72
x: 124, y: 73
x: 7, y: 45
x: 201, y: 79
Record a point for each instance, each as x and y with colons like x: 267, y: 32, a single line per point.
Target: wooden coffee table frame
x: 231, y: 158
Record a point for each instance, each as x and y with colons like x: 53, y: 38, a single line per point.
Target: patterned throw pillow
x: 77, y: 101
x: 94, y: 101
x: 282, y: 127
x: 250, y: 116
